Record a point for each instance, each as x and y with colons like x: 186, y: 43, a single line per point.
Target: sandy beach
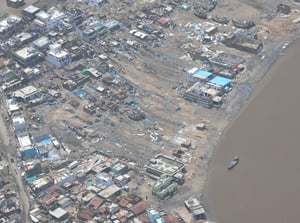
x: 264, y: 186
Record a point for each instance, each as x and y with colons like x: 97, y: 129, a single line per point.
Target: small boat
x: 221, y: 20
x: 212, y: 5
x: 233, y: 163
x: 244, y: 24
x: 200, y: 13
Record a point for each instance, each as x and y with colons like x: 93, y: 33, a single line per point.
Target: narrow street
x: 8, y: 148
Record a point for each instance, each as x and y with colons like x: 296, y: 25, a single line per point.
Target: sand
x: 264, y: 187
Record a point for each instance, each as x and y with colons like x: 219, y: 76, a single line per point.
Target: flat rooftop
x: 31, y: 9
x: 164, y: 165
x: 26, y: 52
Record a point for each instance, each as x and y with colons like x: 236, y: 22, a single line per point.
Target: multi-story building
x: 57, y: 56
x: 92, y: 31
x: 9, y: 26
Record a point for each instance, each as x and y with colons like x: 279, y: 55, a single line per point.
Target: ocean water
x: 265, y: 185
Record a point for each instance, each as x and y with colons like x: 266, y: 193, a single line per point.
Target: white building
x: 9, y: 26
x: 48, y: 20
x: 57, y: 56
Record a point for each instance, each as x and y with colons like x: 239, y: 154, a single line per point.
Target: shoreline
x: 250, y: 89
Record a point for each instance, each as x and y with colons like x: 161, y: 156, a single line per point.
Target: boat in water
x: 243, y: 24
x: 220, y: 19
x: 233, y: 163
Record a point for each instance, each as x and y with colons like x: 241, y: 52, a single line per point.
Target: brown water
x: 265, y: 185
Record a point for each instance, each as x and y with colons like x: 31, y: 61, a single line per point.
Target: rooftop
x: 42, y: 41
x: 9, y: 22
x: 58, y: 213
x: 26, y: 52
x: 222, y: 81
x: 31, y: 9
x: 26, y: 91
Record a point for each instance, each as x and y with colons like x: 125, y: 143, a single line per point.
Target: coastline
x: 241, y: 97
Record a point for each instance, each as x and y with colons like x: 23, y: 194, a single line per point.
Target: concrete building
x: 75, y: 16
x: 41, y: 44
x: 12, y: 106
x: 25, y: 150
x: 10, y: 81
x: 110, y: 191
x: 27, y: 56
x: 32, y: 168
x: 92, y: 31
x: 194, y: 206
x: 48, y: 20
x: 119, y: 168
x: 30, y: 11
x: 204, y: 94
x: 19, y: 124
x: 27, y: 93
x: 165, y: 187
x: 9, y: 26
x: 104, y: 179
x: 57, y: 56
x: 15, y: 3
x: 163, y: 165
x: 41, y: 184
x: 249, y: 45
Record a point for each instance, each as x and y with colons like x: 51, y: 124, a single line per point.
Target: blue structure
x: 27, y: 152
x: 221, y: 82
x: 196, y: 74
x: 202, y: 74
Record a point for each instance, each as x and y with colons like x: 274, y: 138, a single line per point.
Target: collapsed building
x: 249, y: 45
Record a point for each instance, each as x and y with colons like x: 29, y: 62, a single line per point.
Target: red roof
x: 86, y: 214
x: 49, y: 198
x: 144, y: 219
x: 95, y: 202
x: 162, y: 21
x: 124, y: 202
x: 139, y: 207
x: 170, y: 219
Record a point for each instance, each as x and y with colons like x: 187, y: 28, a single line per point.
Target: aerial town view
x: 149, y: 111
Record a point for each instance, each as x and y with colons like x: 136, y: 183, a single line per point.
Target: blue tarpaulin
x: 81, y: 93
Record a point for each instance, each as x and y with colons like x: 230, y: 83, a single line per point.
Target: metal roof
x: 222, y: 81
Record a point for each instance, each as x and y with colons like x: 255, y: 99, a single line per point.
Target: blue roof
x: 222, y: 81
x: 202, y: 73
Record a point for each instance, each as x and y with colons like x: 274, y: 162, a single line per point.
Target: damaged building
x: 249, y: 45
